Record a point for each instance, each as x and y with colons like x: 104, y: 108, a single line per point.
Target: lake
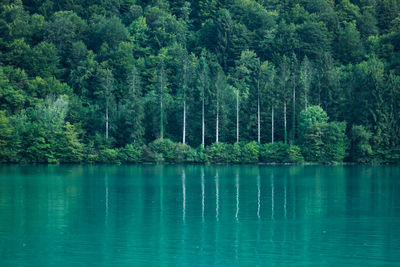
x: 176, y: 215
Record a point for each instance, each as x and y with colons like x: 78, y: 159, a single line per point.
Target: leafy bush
x: 250, y: 152
x: 361, y: 150
x: 219, y: 152
x: 200, y: 155
x: 181, y: 153
x: 108, y: 155
x: 280, y: 153
x: 164, y: 149
x: 320, y: 140
x: 130, y: 154
x: 335, y: 142
x: 295, y: 155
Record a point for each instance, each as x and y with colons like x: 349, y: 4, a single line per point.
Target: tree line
x: 200, y: 81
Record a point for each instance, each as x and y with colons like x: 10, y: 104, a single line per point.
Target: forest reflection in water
x: 203, y: 215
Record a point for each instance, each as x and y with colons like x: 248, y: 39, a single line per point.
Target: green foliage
x: 250, y: 152
x: 5, y: 135
x: 361, y: 149
x: 219, y: 153
x: 108, y: 155
x: 320, y: 140
x: 68, y: 68
x: 70, y: 146
x: 131, y: 154
x: 280, y: 153
x: 335, y: 142
x: 165, y: 148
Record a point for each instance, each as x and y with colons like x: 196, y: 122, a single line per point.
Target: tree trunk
x: 258, y: 119
x: 107, y: 122
x: 305, y: 99
x: 285, y: 122
x: 161, y: 107
x: 184, y: 122
x: 294, y: 116
x: 202, y: 121
x: 272, y: 125
x: 237, y: 116
x: 217, y: 123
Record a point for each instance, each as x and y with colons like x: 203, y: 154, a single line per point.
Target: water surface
x: 175, y: 215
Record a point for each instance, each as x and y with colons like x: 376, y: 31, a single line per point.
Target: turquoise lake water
x: 175, y: 215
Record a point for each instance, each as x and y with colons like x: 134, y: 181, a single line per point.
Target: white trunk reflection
x: 183, y: 195
x: 237, y: 194
x: 216, y: 196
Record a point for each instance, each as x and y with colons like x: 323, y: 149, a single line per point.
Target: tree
x: 107, y: 95
x: 284, y: 86
x: 319, y: 140
x: 6, y: 131
x: 349, y: 47
x: 269, y: 91
x: 162, y: 82
x: 132, y: 111
x: 220, y: 88
x: 223, y: 24
x: 306, y: 76
x: 361, y: 150
x: 204, y: 86
x: 246, y: 82
x: 185, y: 78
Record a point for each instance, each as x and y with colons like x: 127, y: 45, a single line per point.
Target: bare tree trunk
x: 305, y: 99
x: 237, y: 116
x: 161, y: 105
x: 294, y: 116
x: 285, y: 122
x: 161, y: 118
x: 184, y: 122
x: 107, y: 122
x: 258, y: 119
x: 217, y: 123
x: 184, y: 99
x: 202, y: 121
x: 272, y: 125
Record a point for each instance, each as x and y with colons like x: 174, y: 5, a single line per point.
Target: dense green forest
x: 200, y: 81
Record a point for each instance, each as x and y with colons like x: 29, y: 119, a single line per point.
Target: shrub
x: 273, y: 152
x: 219, y: 153
x: 335, y: 142
x: 108, y: 155
x: 280, y: 153
x: 130, y: 154
x: 165, y: 148
x: 234, y: 153
x: 181, y: 152
x: 361, y: 150
x: 201, y: 155
x: 320, y: 140
x: 295, y: 155
x: 250, y: 152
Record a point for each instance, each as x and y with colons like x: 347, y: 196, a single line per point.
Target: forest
x: 238, y: 81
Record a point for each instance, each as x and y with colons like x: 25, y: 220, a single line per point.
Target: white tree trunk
x: 107, y: 122
x: 285, y: 121
x: 161, y: 117
x: 202, y: 122
x: 237, y: 116
x: 217, y: 124
x: 272, y: 125
x: 305, y: 99
x: 184, y: 122
x: 258, y: 119
x: 161, y: 105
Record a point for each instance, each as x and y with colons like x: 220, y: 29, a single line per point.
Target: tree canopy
x: 80, y: 80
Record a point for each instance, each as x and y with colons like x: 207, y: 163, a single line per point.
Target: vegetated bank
x: 93, y: 81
